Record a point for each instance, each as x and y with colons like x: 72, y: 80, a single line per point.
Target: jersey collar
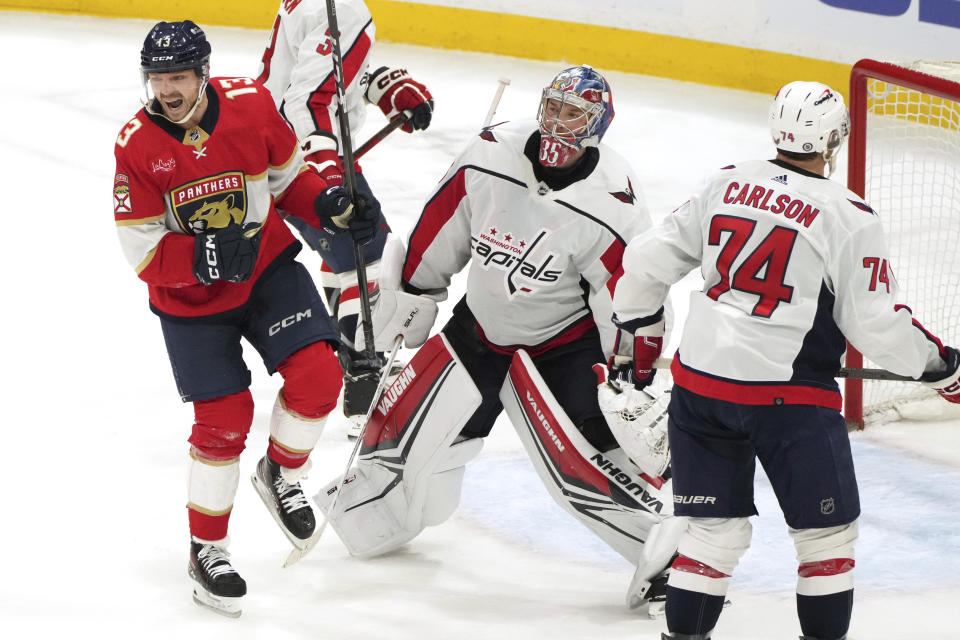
x: 803, y: 172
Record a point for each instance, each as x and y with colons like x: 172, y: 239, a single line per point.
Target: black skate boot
x: 360, y: 379
x: 286, y: 502
x: 218, y: 585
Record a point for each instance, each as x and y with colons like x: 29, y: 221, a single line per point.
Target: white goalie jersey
x: 792, y: 264
x: 543, y: 263
x: 297, y: 65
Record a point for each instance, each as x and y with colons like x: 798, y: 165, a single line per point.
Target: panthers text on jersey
x: 792, y: 263
x: 297, y: 65
x: 172, y: 183
x: 540, y: 260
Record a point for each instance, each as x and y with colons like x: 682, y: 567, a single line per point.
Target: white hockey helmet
x: 809, y: 117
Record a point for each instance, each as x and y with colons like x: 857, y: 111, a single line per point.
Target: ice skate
x: 358, y: 394
x: 217, y: 586
x: 649, y: 596
x: 287, y: 503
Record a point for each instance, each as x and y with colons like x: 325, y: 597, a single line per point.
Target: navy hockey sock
x: 691, y: 612
x: 825, y: 617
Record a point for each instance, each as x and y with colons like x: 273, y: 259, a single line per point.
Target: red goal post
x: 904, y: 160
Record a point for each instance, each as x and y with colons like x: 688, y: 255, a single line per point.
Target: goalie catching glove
x: 394, y: 91
x: 638, y: 420
x: 638, y: 344
x: 946, y: 383
x: 229, y: 253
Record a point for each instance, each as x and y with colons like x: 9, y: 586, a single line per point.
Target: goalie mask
x: 575, y: 111
x: 168, y: 48
x: 809, y: 117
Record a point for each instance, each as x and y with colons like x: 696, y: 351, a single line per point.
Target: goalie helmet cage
x: 904, y: 160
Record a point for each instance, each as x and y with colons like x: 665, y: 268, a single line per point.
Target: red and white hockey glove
x: 634, y: 352
x: 320, y: 152
x: 394, y: 91
x: 946, y: 383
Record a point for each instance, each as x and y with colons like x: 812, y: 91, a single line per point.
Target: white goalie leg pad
x: 604, y: 491
x: 717, y: 544
x: 292, y: 431
x: 443, y: 485
x: 638, y: 420
x: 406, y: 442
x: 825, y: 558
x: 658, y: 552
x: 213, y: 484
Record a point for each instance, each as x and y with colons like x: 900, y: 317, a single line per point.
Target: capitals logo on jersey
x: 213, y: 202
x: 502, y: 250
x: 627, y: 195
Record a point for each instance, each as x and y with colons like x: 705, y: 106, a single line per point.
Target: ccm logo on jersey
x: 288, y: 321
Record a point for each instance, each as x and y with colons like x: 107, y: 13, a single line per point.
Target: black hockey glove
x: 227, y: 254
x: 638, y: 345
x: 338, y: 215
x: 946, y: 383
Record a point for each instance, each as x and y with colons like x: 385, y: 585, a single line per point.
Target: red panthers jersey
x: 172, y: 183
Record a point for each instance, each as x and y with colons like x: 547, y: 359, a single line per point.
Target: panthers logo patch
x: 210, y: 203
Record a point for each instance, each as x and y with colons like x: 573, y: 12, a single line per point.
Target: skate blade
x: 229, y: 607
x: 267, y: 497
x: 355, y: 427
x: 298, y: 554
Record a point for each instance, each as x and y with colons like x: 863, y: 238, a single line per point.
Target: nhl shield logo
x: 827, y: 506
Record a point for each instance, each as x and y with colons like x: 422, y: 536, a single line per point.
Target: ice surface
x: 94, y: 534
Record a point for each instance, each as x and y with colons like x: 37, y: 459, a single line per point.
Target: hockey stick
x: 297, y: 554
x: 862, y: 374
x: 503, y: 82
x: 370, y: 361
x: 389, y: 128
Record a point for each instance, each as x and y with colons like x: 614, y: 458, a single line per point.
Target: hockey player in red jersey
x: 789, y: 261
x: 541, y: 212
x: 199, y: 172
x: 297, y: 68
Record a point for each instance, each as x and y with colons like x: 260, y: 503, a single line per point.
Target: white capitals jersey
x: 540, y: 260
x: 297, y: 65
x: 792, y: 263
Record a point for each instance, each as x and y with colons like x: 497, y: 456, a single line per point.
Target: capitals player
x: 541, y: 212
x: 793, y: 264
x: 297, y: 68
x: 200, y: 172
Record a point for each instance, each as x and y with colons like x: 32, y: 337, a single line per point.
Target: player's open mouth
x: 173, y: 104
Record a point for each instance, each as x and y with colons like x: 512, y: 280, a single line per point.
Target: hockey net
x: 904, y: 159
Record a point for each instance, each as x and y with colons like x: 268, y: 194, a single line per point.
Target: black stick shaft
x: 350, y: 179
x: 862, y: 374
x: 387, y: 129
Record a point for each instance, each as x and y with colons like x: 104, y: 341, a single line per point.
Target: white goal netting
x: 911, y: 175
